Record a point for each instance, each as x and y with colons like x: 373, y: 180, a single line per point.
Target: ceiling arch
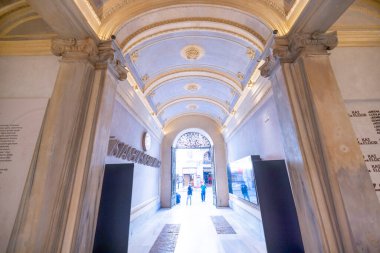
x: 179, y: 24
x: 180, y: 74
x: 192, y: 99
x: 114, y: 12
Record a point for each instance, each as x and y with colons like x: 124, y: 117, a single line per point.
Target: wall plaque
x: 365, y: 119
x: 20, y: 123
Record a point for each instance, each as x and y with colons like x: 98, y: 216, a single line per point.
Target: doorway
x: 192, y: 164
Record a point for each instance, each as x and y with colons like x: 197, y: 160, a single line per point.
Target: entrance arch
x: 209, y: 128
x: 189, y: 142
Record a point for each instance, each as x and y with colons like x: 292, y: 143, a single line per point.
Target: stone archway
x: 192, y: 141
x: 210, y: 129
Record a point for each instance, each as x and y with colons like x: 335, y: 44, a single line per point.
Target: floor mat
x: 221, y: 225
x: 166, y: 240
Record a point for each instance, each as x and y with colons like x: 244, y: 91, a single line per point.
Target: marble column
x: 336, y: 204
x: 76, y: 128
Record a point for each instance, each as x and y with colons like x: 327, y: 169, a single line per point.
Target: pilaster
x: 88, y: 186
x: 336, y: 204
x: 72, y: 145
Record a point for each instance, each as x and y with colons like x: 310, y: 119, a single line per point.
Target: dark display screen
x: 241, y: 180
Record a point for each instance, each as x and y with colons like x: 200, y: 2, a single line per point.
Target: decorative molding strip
x: 25, y: 48
x: 359, y: 38
x: 122, y: 3
x: 195, y: 19
x: 248, y: 207
x: 127, y: 44
x: 144, y: 207
x: 276, y: 7
x: 89, y: 14
x: 7, y: 9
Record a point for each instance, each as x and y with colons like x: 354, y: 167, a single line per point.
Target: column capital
x: 288, y: 48
x: 111, y: 56
x: 106, y: 54
x: 73, y: 48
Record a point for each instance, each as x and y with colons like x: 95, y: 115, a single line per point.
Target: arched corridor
x: 90, y: 85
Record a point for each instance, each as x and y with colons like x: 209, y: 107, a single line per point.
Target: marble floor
x: 197, y: 233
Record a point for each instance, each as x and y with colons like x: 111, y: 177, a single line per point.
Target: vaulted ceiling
x: 193, y: 65
x: 188, y: 60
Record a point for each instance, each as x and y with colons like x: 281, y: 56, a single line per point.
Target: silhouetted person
x: 203, y: 192
x: 189, y: 194
x: 244, y: 191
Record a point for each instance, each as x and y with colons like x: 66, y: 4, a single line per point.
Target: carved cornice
x: 268, y: 66
x: 73, y: 48
x: 105, y: 55
x: 110, y: 56
x: 287, y: 48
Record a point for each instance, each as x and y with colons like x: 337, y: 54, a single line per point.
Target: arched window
x: 193, y: 140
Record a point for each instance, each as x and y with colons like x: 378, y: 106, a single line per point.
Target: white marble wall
x: 260, y: 135
x: 146, y: 179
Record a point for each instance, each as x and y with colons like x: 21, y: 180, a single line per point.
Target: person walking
x: 189, y: 194
x: 203, y: 192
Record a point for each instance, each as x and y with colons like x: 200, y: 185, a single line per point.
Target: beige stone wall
x: 357, y: 72
x: 358, y: 75
x: 25, y: 88
x: 28, y: 76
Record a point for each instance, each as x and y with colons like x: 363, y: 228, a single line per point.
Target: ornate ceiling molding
x: 90, y: 14
x: 11, y: 8
x: 221, y: 77
x: 128, y: 43
x: 256, y: 9
x: 162, y: 108
x: 114, y: 6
